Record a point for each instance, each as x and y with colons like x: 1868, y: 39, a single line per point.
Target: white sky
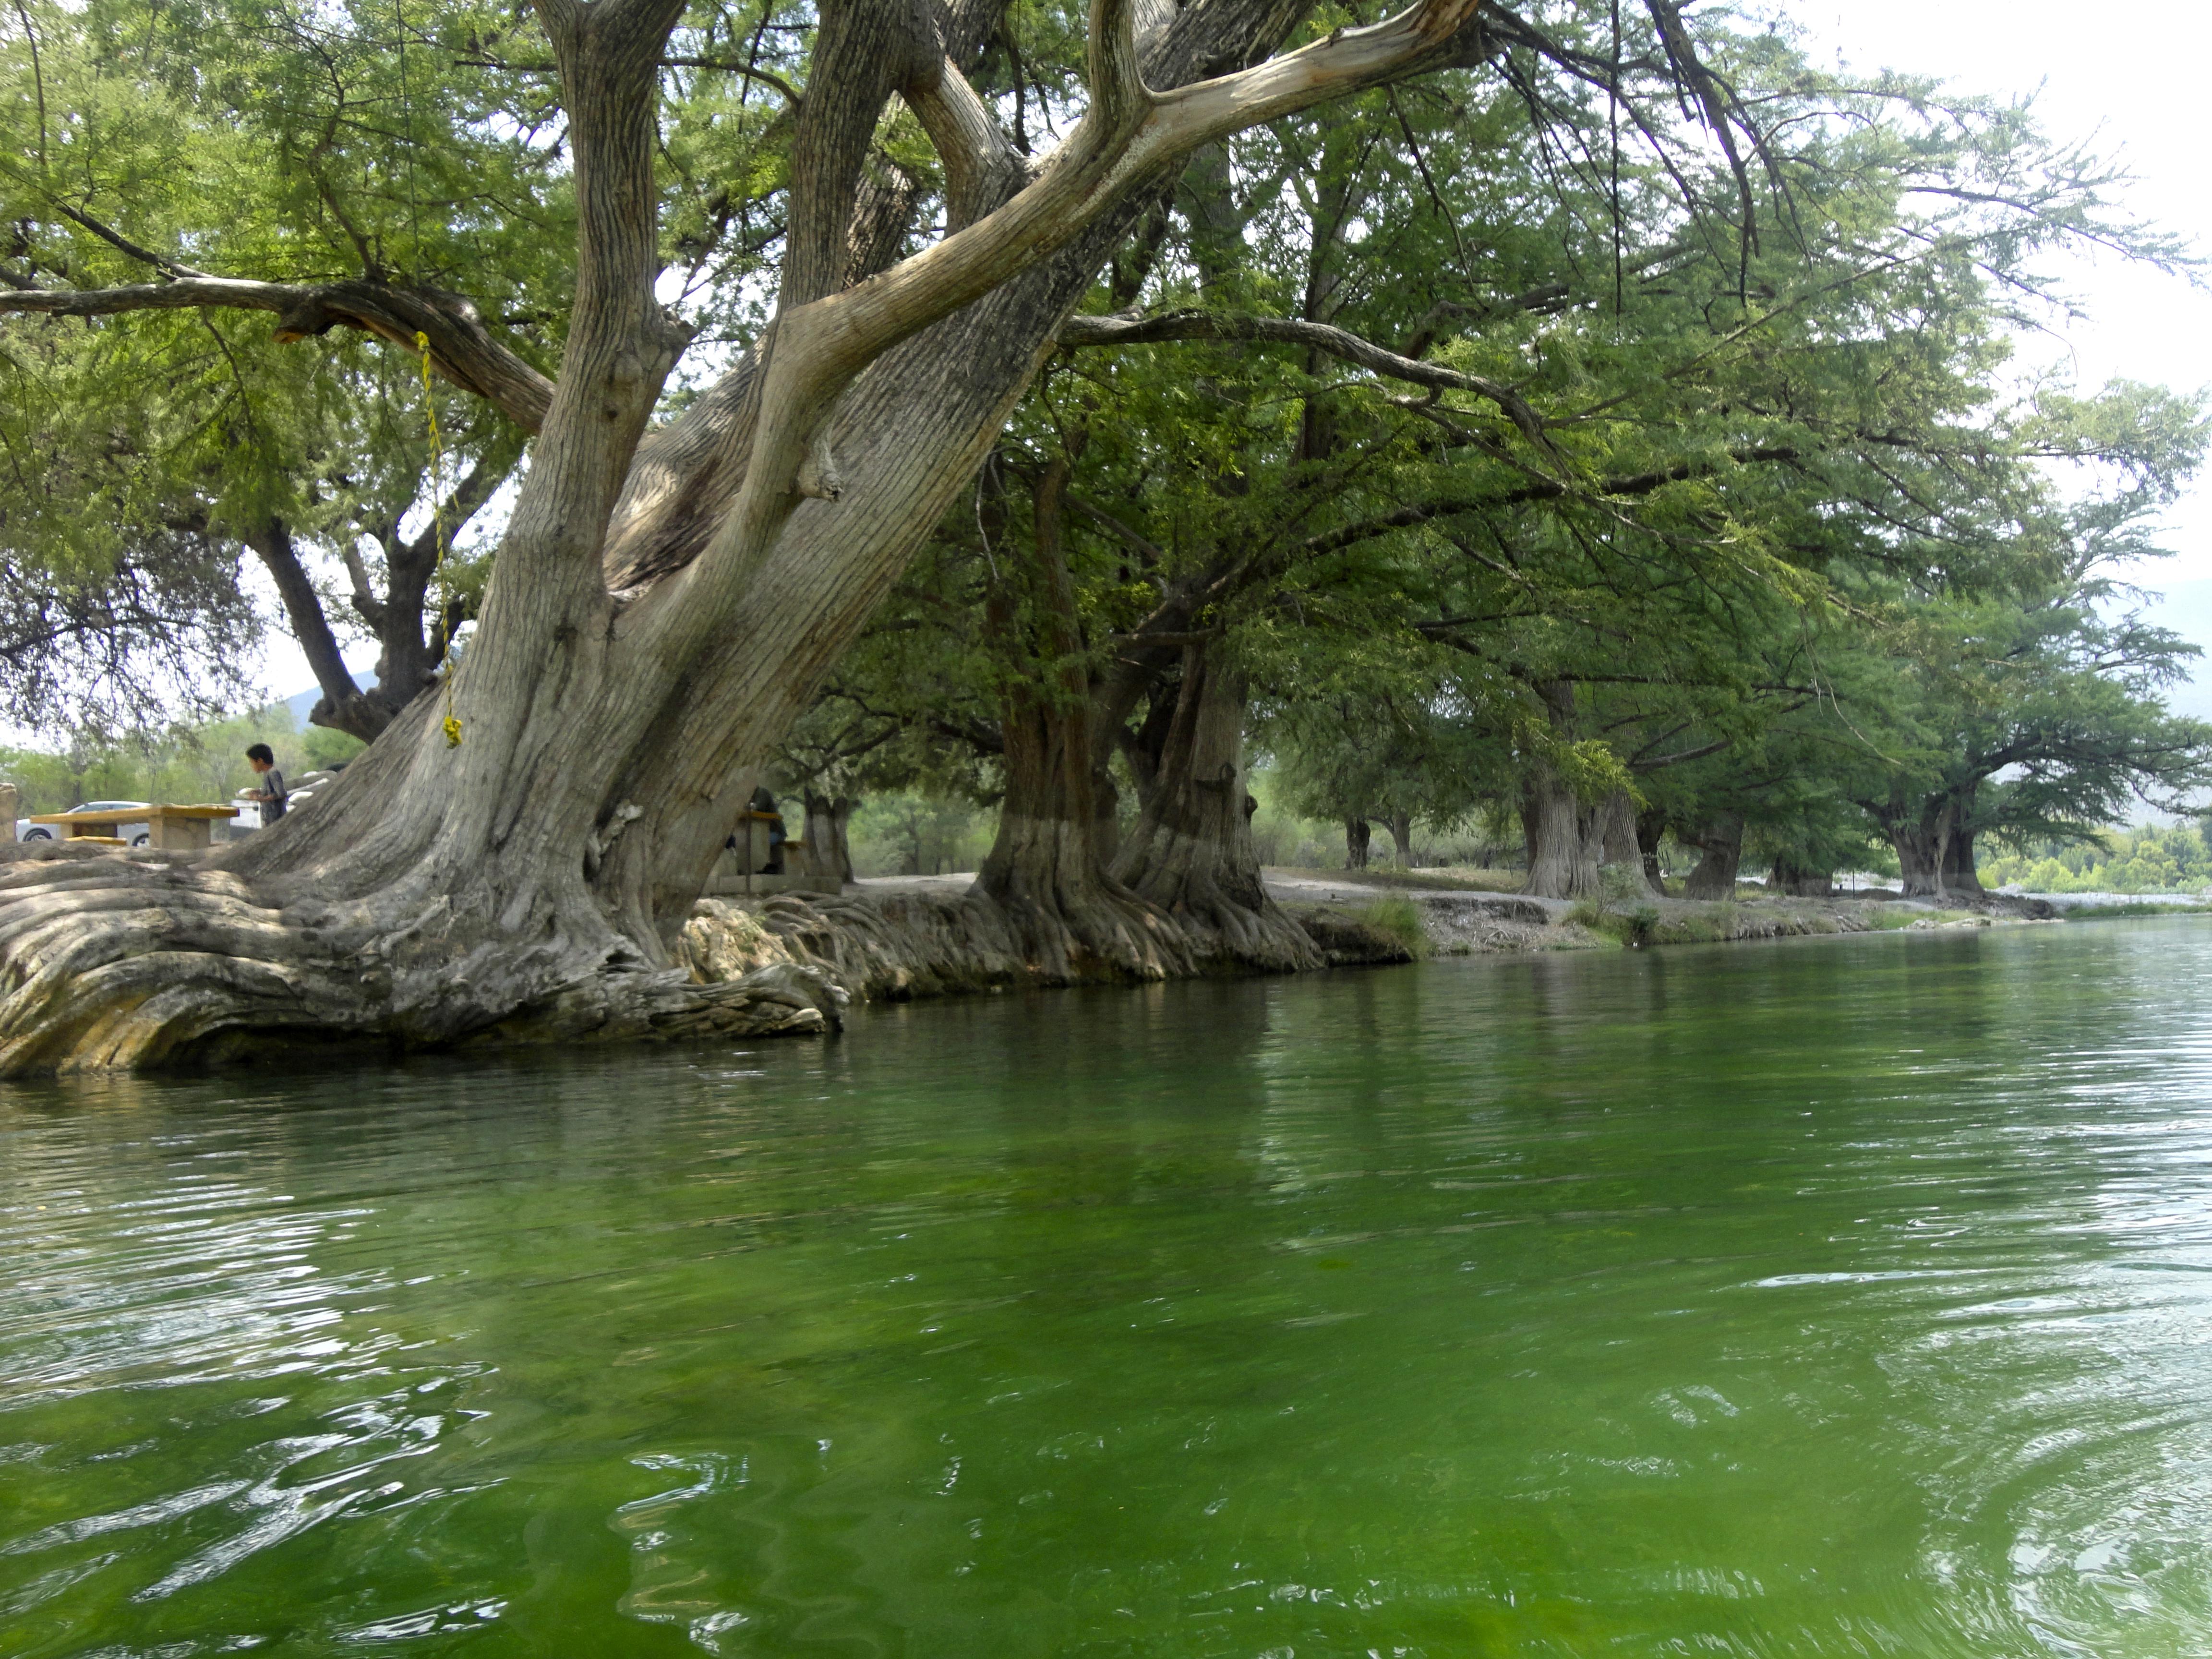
x: 2128, y: 78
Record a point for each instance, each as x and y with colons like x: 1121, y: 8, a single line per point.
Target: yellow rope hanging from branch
x: 452, y: 724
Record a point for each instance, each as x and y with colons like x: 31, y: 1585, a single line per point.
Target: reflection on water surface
x: 1827, y: 1298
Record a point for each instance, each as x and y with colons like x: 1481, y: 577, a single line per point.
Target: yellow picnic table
x: 175, y: 828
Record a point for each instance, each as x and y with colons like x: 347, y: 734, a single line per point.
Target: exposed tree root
x: 1191, y: 853
x: 1201, y: 883
x: 138, y: 960
x: 1070, y: 920
x: 892, y: 947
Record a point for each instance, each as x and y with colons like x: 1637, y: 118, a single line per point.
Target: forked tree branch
x: 979, y: 160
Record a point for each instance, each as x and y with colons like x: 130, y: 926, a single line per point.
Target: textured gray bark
x: 1564, y: 839
x: 1620, y: 844
x: 1359, y: 837
x: 1191, y: 853
x: 827, y: 820
x: 1565, y: 834
x: 1402, y: 838
x: 1722, y: 840
x: 1047, y: 872
x: 1935, y: 851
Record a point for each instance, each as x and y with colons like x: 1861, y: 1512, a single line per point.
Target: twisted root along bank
x: 662, y: 605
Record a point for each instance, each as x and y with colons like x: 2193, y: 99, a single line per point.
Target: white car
x: 136, y: 834
x: 296, y: 796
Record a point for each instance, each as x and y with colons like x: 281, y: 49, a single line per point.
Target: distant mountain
x: 302, y: 703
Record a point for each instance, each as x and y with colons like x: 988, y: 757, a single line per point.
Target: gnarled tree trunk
x: 1934, y: 853
x: 1359, y: 837
x: 1564, y: 839
x: 1045, y: 871
x: 1191, y: 853
x: 1919, y: 860
x: 1402, y: 838
x: 1721, y: 841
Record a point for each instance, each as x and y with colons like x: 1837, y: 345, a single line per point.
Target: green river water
x: 1829, y: 1297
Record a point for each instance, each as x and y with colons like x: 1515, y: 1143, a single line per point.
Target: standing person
x: 272, y: 793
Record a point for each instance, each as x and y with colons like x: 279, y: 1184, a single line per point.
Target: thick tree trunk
x: 1191, y: 853
x: 1563, y: 850
x: 1934, y: 855
x: 1402, y: 838
x: 1959, y: 875
x: 828, y: 819
x: 1044, y: 872
x: 1566, y: 837
x: 1359, y: 837
x: 1919, y: 860
x: 1650, y: 825
x: 1619, y: 845
x: 1721, y: 842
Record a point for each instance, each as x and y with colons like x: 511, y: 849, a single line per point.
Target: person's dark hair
x: 261, y: 752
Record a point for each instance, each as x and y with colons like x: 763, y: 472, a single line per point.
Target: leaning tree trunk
x: 1359, y: 837
x: 1722, y: 844
x: 626, y: 681
x: 1191, y: 853
x: 1044, y: 872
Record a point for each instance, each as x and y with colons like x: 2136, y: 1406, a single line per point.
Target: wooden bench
x: 172, y: 829
x: 737, y: 872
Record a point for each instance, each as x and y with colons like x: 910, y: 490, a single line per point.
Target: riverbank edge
x: 902, y: 943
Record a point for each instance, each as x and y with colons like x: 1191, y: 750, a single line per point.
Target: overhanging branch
x: 1321, y: 337
x: 461, y: 349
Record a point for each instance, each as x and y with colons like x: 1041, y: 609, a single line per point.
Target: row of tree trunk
x: 1570, y: 843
